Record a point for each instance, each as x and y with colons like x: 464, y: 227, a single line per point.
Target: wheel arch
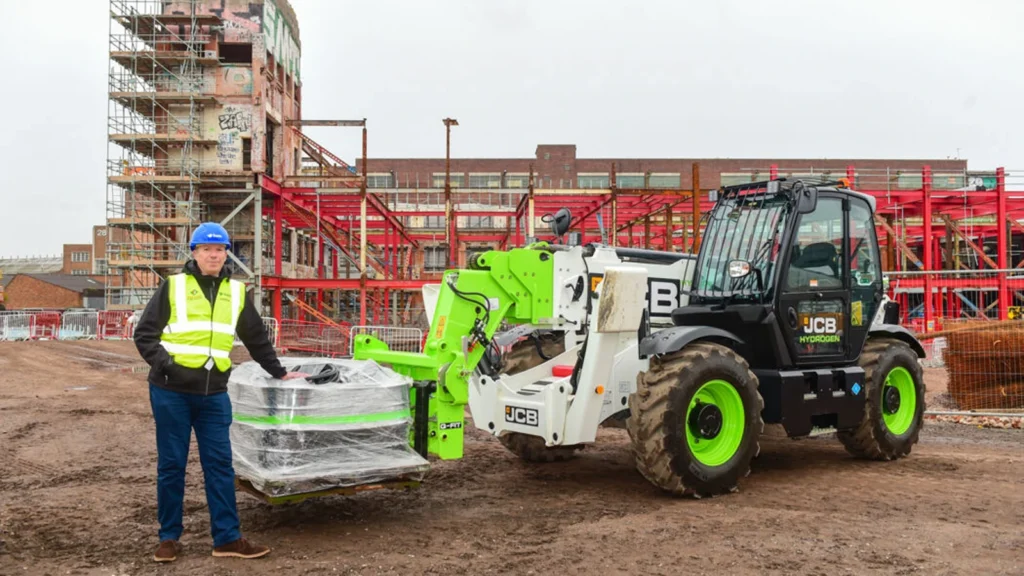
x: 899, y: 333
x: 676, y: 338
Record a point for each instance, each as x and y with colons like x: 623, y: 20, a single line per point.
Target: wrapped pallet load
x: 346, y: 425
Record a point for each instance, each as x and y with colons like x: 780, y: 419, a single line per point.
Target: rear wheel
x: 893, y: 413
x: 695, y: 420
x: 525, y: 355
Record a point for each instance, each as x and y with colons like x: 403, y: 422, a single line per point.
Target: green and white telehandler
x: 777, y: 319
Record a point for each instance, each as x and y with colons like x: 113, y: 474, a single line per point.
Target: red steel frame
x: 638, y: 217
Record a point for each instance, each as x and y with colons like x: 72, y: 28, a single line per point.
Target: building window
x: 485, y: 180
x: 433, y: 222
x: 79, y: 256
x: 629, y: 180
x: 380, y: 181
x: 457, y: 179
x: 479, y: 222
x: 79, y: 272
x: 235, y: 53
x: 517, y: 180
x: 949, y: 181
x: 663, y: 180
x: 911, y: 180
x: 101, y: 266
x: 593, y: 180
x: 435, y: 258
x: 737, y: 178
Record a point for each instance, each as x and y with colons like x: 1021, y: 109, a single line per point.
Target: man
x: 186, y: 334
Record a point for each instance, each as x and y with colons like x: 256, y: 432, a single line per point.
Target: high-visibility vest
x: 198, y: 332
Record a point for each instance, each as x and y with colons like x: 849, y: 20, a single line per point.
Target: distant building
x: 52, y: 291
x: 78, y: 259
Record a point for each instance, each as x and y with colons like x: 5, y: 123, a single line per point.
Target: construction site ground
x: 78, y: 496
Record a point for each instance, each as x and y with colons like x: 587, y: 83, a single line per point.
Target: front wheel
x: 894, y: 410
x: 695, y: 420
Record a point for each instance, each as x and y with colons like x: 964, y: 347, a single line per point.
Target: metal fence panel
x: 79, y: 326
x: 399, y: 339
x: 313, y: 338
x: 971, y: 323
x: 15, y: 326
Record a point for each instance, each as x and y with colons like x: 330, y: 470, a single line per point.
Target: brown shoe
x: 167, y: 551
x: 241, y: 548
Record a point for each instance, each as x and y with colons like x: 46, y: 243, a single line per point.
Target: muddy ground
x: 77, y: 496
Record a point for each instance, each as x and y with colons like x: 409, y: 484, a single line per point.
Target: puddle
x: 77, y: 388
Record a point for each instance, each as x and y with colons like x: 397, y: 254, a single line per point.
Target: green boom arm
x: 517, y: 285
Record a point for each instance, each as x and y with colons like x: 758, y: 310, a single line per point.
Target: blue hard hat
x: 210, y: 233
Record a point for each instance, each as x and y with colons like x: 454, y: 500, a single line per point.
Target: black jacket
x: 166, y: 374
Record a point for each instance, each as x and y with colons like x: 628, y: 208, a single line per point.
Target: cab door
x: 814, y: 298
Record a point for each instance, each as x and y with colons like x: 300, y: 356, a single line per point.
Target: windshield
x: 741, y: 228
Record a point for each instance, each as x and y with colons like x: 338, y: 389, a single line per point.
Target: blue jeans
x: 176, y: 415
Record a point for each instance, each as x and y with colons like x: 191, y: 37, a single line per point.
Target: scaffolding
x: 157, y: 92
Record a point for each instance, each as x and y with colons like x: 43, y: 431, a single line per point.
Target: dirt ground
x: 77, y: 496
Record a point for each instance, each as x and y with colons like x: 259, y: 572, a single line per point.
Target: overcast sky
x: 723, y: 78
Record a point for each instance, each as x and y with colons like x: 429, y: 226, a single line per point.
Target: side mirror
x: 559, y: 222
x: 739, y: 268
x: 807, y: 200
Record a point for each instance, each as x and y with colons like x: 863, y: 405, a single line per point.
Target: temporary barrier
x: 16, y: 326
x: 79, y: 325
x: 399, y: 339
x: 45, y: 325
x: 116, y: 324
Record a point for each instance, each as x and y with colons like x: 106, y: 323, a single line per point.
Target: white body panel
x: 537, y: 403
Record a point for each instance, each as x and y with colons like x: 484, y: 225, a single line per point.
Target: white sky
x: 661, y: 78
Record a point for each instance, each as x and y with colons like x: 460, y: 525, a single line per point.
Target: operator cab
x: 791, y: 268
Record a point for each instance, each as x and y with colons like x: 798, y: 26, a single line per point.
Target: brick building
x: 78, y: 259
x: 557, y: 166
x: 59, y: 291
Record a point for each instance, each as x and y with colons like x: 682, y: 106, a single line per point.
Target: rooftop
x: 31, y: 265
x: 66, y: 281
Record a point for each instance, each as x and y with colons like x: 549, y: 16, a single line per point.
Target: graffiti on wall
x: 280, y: 39
x: 229, y: 150
x: 234, y: 81
x: 228, y: 125
x: 240, y: 27
x: 235, y: 118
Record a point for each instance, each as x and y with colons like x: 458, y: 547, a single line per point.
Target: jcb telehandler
x: 773, y: 321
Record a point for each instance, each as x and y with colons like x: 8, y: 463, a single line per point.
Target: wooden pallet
x: 396, y: 484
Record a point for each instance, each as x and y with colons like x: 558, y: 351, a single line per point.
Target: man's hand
x: 295, y: 376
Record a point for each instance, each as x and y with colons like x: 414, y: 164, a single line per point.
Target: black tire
x: 657, y: 423
x: 523, y: 356
x: 872, y: 439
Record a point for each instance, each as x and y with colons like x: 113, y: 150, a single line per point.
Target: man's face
x: 210, y: 258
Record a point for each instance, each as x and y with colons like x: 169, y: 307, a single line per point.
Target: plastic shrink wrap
x: 347, y: 425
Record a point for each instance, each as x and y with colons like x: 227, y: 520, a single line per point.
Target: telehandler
x: 777, y: 319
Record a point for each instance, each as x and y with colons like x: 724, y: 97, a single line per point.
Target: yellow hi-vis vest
x: 197, y: 332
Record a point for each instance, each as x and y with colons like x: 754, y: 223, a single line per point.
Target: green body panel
x: 517, y: 286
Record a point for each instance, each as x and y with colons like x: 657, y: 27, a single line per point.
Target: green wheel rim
x: 899, y: 422
x: 718, y: 450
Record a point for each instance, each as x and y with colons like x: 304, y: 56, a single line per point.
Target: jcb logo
x: 524, y: 416
x: 820, y: 325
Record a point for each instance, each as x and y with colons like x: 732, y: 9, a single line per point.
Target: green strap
x: 312, y: 420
